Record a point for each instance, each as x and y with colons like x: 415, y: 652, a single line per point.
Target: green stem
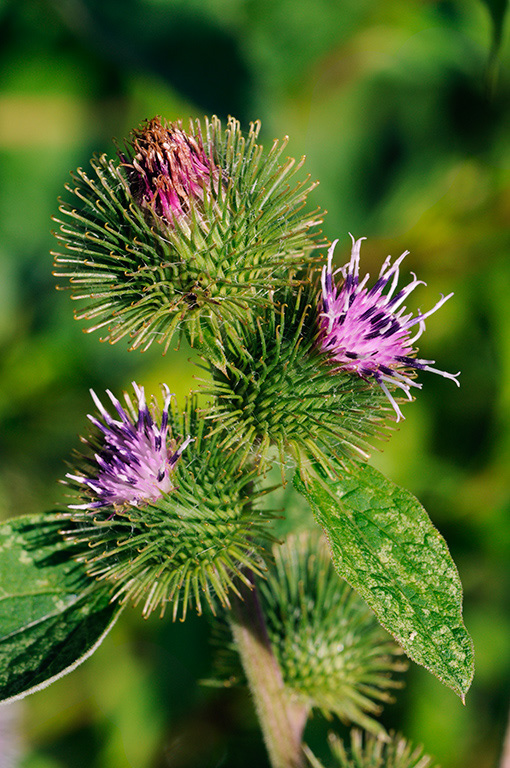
x: 282, y: 721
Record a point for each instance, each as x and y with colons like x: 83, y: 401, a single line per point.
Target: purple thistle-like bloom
x: 168, y: 169
x: 367, y: 331
x: 133, y: 461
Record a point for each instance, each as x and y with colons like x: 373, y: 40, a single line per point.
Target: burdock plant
x: 196, y: 231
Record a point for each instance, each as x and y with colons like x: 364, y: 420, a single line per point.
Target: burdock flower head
x: 189, y: 228
x: 165, y: 530
x: 367, y: 331
x: 132, y: 459
x: 169, y: 169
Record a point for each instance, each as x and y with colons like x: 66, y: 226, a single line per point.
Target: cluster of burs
x: 195, y: 232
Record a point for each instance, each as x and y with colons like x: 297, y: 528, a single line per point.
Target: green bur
x: 277, y: 388
x: 332, y: 653
x: 190, y: 547
x: 145, y: 277
x: 372, y: 752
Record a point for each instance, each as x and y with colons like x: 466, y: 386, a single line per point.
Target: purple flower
x: 133, y: 458
x: 367, y: 331
x: 169, y: 169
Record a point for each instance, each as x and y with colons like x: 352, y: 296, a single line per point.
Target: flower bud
x: 332, y: 653
x: 367, y: 751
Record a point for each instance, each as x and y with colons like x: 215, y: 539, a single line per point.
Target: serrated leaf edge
x: 460, y: 691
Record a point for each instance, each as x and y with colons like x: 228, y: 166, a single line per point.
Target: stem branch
x: 281, y: 720
x: 505, y: 757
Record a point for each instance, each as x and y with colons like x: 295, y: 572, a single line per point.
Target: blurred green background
x: 403, y: 111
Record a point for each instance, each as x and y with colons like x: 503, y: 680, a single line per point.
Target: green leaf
x: 384, y: 544
x: 52, y: 615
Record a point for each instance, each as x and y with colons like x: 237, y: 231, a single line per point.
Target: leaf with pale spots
x: 384, y: 544
x: 52, y: 615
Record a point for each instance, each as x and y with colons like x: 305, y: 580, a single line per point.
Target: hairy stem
x: 282, y: 721
x: 505, y: 757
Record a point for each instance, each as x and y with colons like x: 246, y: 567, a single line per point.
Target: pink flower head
x: 132, y: 462
x: 367, y: 331
x: 168, y: 170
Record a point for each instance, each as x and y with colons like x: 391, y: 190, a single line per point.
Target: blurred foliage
x: 403, y: 111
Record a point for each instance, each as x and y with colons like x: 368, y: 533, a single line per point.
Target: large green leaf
x: 384, y: 544
x: 52, y: 615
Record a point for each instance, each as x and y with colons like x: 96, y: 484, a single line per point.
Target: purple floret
x: 169, y: 168
x: 134, y: 458
x: 366, y: 331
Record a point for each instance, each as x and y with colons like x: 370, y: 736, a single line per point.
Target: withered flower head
x: 191, y: 226
x: 167, y: 168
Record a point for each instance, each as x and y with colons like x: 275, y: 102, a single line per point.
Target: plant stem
x: 282, y: 721
x: 505, y: 757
